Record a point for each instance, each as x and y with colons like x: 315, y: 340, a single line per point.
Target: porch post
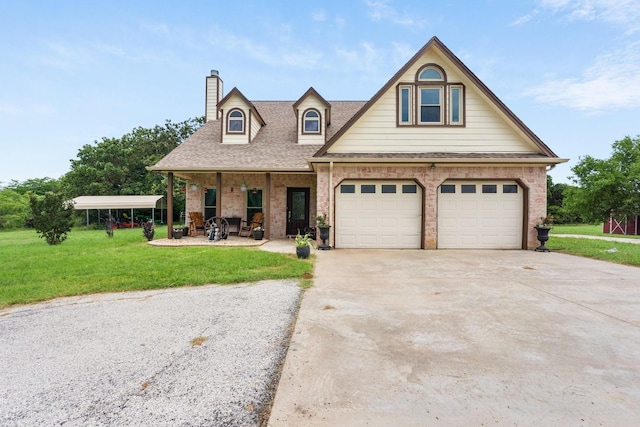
x: 169, y: 205
x: 267, y: 206
x: 218, y: 194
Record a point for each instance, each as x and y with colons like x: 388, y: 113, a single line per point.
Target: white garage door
x: 378, y: 214
x: 480, y: 215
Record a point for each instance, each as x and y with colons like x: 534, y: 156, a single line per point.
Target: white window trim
x: 441, y: 104
x: 411, y: 103
x: 244, y: 121
x: 318, y: 119
x: 460, y: 106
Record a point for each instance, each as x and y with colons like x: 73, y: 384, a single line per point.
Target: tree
x: 35, y: 185
x: 556, y: 206
x: 14, y: 208
x: 52, y: 216
x: 610, y: 185
x: 117, y: 166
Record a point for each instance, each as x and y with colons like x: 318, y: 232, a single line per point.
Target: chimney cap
x: 214, y: 73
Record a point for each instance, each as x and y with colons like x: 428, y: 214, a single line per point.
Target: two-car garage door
x: 389, y: 214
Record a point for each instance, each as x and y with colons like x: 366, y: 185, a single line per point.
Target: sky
x: 74, y: 72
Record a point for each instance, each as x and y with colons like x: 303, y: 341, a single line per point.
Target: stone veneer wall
x: 534, y: 178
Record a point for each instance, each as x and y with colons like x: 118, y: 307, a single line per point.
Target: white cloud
x: 625, y: 13
x: 319, y: 16
x: 380, y: 10
x: 612, y: 83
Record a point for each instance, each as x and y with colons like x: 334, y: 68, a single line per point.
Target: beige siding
x: 486, y: 129
x: 213, y: 95
x: 233, y: 103
x: 312, y: 102
x: 255, y: 126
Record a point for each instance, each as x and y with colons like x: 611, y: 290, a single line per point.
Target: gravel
x: 182, y: 357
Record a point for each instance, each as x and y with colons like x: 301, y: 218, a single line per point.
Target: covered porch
x: 287, y: 200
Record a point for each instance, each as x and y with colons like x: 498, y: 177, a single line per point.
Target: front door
x: 297, y: 210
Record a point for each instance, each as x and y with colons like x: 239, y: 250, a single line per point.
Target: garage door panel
x: 480, y: 220
x: 379, y: 220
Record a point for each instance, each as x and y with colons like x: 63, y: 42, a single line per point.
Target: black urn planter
x: 258, y: 234
x: 543, y: 236
x: 303, y: 252
x: 177, y: 233
x: 324, y: 235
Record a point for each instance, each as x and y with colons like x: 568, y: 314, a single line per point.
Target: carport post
x: 169, y: 205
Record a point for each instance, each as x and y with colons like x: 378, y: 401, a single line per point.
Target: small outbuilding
x: 110, y: 203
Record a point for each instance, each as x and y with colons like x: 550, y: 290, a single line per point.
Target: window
x: 409, y: 188
x: 347, y: 189
x: 431, y: 105
x: 448, y: 188
x: 509, y: 188
x: 430, y: 99
x: 388, y: 188
x: 209, y: 203
x: 367, y: 189
x: 468, y: 188
x: 455, y: 107
x: 254, y: 202
x: 489, y: 188
x: 311, y: 122
x: 405, y: 105
x: 236, y: 122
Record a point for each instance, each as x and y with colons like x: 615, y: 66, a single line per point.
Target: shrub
x: 52, y: 216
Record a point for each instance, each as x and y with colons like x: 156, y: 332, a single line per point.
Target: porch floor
x: 275, y: 245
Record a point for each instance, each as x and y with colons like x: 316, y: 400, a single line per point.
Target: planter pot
x: 543, y: 236
x: 303, y: 252
x: 324, y: 235
x: 258, y: 235
x: 177, y: 233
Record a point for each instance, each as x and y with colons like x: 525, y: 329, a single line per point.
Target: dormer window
x: 311, y: 122
x: 431, y: 99
x: 235, y: 121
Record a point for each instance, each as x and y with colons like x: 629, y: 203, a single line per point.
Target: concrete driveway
x: 451, y: 337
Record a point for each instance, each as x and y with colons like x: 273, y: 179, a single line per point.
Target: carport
x: 120, y: 202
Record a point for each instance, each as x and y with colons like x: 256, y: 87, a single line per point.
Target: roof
x: 274, y: 147
x: 116, y: 202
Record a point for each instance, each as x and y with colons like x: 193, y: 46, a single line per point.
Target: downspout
x: 170, y: 205
x: 331, y: 216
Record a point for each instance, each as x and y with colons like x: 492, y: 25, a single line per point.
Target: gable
x: 488, y: 125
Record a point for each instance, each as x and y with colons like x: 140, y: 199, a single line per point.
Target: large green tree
x: 117, y: 166
x: 14, y: 208
x: 608, y: 185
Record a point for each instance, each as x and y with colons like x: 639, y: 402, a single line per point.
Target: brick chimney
x: 213, y: 96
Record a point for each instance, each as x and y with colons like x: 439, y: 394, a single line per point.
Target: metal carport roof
x: 116, y: 202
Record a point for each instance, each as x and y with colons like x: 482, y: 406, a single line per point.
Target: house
x: 433, y: 160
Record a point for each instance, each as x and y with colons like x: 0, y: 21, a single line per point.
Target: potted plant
x: 543, y: 227
x: 148, y: 230
x: 258, y: 232
x: 323, y: 226
x: 177, y: 233
x: 303, y: 245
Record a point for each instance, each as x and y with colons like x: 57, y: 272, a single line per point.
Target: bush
x: 52, y: 216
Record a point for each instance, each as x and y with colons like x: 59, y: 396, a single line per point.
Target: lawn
x: 90, y: 262
x: 619, y: 252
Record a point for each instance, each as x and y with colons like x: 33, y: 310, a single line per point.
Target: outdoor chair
x: 246, y: 227
x: 196, y: 222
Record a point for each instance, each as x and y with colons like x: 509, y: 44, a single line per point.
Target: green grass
x: 586, y: 229
x: 626, y: 253
x: 90, y: 262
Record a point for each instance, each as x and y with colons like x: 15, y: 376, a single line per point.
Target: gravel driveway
x: 191, y: 356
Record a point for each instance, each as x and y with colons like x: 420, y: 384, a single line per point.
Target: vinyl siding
x: 235, y: 102
x: 486, y: 129
x: 305, y: 138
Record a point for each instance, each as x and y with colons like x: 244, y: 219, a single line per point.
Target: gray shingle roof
x: 273, y: 148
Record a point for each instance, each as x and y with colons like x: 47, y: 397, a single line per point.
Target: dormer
x: 239, y: 118
x: 313, y: 115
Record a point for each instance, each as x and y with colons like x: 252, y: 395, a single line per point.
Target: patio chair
x: 196, y: 222
x: 246, y: 227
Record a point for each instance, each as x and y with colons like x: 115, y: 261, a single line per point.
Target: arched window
x: 235, y: 122
x: 431, y: 73
x: 311, y: 122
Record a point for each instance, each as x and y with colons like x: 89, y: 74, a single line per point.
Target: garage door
x: 378, y: 214
x: 483, y: 215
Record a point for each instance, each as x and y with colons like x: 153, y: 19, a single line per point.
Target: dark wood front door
x: 297, y: 210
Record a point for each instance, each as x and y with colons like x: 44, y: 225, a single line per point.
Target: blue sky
x: 72, y: 72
